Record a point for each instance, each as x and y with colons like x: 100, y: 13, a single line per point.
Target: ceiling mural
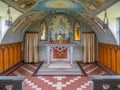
x: 92, y: 5
x: 81, y: 10
x: 23, y: 4
x: 74, y: 8
x: 60, y: 4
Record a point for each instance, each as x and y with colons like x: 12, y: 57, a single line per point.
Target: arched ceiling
x: 87, y: 6
x: 36, y: 10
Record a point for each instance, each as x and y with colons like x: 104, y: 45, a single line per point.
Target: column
x: 71, y: 54
x: 49, y: 54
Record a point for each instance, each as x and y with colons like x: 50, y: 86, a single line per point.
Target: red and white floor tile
x: 57, y: 82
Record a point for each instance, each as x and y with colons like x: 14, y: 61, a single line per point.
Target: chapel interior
x: 59, y: 34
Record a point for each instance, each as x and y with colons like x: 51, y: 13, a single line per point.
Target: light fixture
x: 8, y: 21
x: 105, y: 21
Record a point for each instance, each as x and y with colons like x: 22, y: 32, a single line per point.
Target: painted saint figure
x: 60, y: 37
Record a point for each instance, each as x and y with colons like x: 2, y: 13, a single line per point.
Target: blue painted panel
x: 60, y: 4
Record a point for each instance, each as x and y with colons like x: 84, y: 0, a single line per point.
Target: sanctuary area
x: 59, y: 44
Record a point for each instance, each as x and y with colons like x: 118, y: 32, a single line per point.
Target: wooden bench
x: 14, y: 82
x: 105, y: 82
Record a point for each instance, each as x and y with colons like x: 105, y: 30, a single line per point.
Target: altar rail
x: 105, y: 82
x: 11, y: 82
x: 10, y: 55
x: 109, y: 56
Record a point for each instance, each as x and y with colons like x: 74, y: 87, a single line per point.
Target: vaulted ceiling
x: 86, y: 6
x: 36, y: 10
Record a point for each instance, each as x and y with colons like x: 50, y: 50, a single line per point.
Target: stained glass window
x: 77, y: 32
x: 43, y: 31
x: 118, y: 30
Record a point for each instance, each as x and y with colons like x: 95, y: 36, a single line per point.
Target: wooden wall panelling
x: 15, y: 55
x: 19, y: 53
x: 6, y: 60
x: 118, y: 61
x: 109, y: 56
x: 105, y: 59
x: 1, y: 60
x: 113, y: 60
x: 10, y: 55
x: 99, y: 52
x: 102, y: 55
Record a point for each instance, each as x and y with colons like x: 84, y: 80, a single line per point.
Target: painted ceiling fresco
x: 34, y: 11
x: 79, y: 5
x: 60, y: 4
x: 92, y: 5
x: 80, y: 9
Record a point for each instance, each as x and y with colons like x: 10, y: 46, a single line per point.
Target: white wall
x: 113, y: 13
x: 3, y: 13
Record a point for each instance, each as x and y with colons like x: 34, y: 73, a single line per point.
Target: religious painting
x: 60, y: 5
x: 77, y: 32
x: 92, y: 5
x: 43, y: 31
x: 23, y: 4
x: 60, y: 28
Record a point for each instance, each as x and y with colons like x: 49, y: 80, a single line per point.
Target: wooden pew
x: 105, y: 82
x: 15, y: 81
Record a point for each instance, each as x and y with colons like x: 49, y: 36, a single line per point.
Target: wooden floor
x: 58, y: 82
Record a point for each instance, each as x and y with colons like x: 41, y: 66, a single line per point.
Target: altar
x: 61, y: 49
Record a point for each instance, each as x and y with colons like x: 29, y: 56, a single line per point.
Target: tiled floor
x: 57, y: 82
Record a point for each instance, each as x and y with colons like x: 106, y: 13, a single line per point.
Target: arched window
x: 77, y: 32
x: 43, y: 31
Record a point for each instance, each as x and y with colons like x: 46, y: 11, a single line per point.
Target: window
x: 77, y: 32
x: 3, y: 16
x: 43, y: 31
x: 118, y: 30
